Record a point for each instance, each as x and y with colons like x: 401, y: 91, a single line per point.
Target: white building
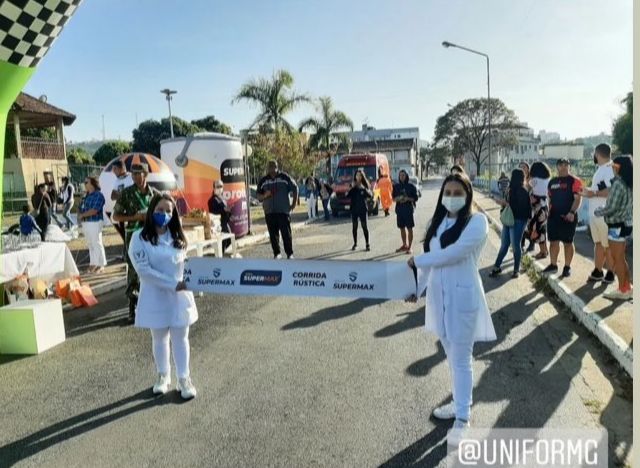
x: 548, y: 137
x: 400, y: 145
x: 526, y: 148
x: 571, y: 151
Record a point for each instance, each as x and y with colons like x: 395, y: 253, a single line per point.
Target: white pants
x: 311, y: 207
x: 179, y: 344
x: 459, y: 356
x: 93, y: 233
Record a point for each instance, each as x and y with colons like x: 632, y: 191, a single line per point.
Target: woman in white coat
x: 456, y: 308
x: 157, y: 252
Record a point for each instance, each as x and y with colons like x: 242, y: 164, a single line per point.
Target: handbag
x: 506, y: 216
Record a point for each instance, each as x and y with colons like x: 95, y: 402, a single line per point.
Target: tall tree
x: 623, y: 128
x: 326, y: 128
x: 435, y: 154
x: 79, y: 155
x: 211, y: 124
x: 149, y: 134
x: 275, y: 98
x: 111, y: 150
x: 464, y: 128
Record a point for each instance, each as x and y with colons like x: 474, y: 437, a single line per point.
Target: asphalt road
x: 303, y: 381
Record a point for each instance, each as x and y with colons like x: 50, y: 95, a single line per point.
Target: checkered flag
x: 29, y: 27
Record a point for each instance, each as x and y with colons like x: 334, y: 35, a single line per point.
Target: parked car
x: 416, y: 182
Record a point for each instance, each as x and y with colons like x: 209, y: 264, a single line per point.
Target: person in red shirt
x: 564, y: 202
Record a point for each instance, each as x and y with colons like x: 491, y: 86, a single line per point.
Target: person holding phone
x: 405, y: 194
x: 158, y: 252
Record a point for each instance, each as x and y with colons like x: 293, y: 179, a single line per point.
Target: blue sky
x: 560, y: 65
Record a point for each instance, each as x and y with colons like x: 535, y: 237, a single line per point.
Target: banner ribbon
x: 324, y: 278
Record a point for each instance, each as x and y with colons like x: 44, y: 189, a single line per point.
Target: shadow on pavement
x: 75, y: 426
x: 428, y: 451
x: 333, y: 313
x: 411, y: 320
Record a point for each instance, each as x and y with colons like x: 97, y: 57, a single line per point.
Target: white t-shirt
x: 108, y: 183
x: 602, y: 178
x: 539, y: 187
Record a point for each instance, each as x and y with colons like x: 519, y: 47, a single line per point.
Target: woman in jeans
x: 518, y: 200
x: 158, y: 252
x: 618, y: 214
x: 90, y: 214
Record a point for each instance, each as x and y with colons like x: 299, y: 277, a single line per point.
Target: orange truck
x: 371, y: 164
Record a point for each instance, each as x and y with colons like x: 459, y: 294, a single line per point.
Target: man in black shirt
x: 564, y: 202
x: 405, y: 195
x: 273, y: 191
x: 218, y: 206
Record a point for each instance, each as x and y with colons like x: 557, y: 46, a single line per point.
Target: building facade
x: 30, y: 161
x: 400, y: 145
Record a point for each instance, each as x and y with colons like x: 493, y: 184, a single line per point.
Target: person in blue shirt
x: 90, y: 214
x: 28, y: 223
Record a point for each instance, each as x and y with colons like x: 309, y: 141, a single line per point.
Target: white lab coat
x: 456, y: 308
x: 160, y: 268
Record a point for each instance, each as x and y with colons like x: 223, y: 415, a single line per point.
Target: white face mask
x: 454, y: 204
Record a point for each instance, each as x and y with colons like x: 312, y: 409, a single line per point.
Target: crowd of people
x: 536, y: 207
x: 543, y: 210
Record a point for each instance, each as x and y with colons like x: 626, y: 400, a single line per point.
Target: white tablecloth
x: 48, y: 261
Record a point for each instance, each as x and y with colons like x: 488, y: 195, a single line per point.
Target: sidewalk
x: 610, y: 321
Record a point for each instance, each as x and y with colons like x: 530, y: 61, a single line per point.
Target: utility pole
x: 103, y: 131
x: 169, y: 93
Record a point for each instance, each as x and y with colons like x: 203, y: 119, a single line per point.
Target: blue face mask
x: 161, y: 219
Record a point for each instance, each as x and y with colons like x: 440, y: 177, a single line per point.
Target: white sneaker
x: 162, y: 384
x: 186, y: 388
x: 447, y: 411
x: 457, y: 432
x: 277, y: 257
x: 617, y: 294
x: 290, y: 257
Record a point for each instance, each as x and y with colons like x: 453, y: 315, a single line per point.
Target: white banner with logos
x: 329, y: 278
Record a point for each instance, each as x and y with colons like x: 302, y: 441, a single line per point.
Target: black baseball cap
x: 563, y: 161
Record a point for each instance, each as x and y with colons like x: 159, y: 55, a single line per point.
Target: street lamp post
x: 446, y: 45
x: 168, y: 93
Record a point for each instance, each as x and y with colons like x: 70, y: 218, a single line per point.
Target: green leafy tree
x: 286, y: 148
x: 78, y: 155
x: 111, y: 150
x: 149, y: 134
x: 45, y: 133
x: 326, y: 128
x: 211, y: 124
x: 623, y: 128
x: 464, y: 128
x: 275, y: 98
x: 434, y: 155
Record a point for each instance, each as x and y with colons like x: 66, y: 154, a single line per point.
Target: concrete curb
x: 591, y: 321
x: 264, y: 237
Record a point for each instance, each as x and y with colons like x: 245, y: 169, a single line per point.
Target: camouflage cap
x: 142, y: 167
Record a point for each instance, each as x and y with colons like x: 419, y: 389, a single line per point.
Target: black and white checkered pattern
x: 29, y: 27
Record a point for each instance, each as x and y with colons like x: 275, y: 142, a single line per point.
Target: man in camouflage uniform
x: 131, y: 208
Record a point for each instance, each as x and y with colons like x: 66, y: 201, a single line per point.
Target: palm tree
x: 275, y: 98
x: 325, y: 128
